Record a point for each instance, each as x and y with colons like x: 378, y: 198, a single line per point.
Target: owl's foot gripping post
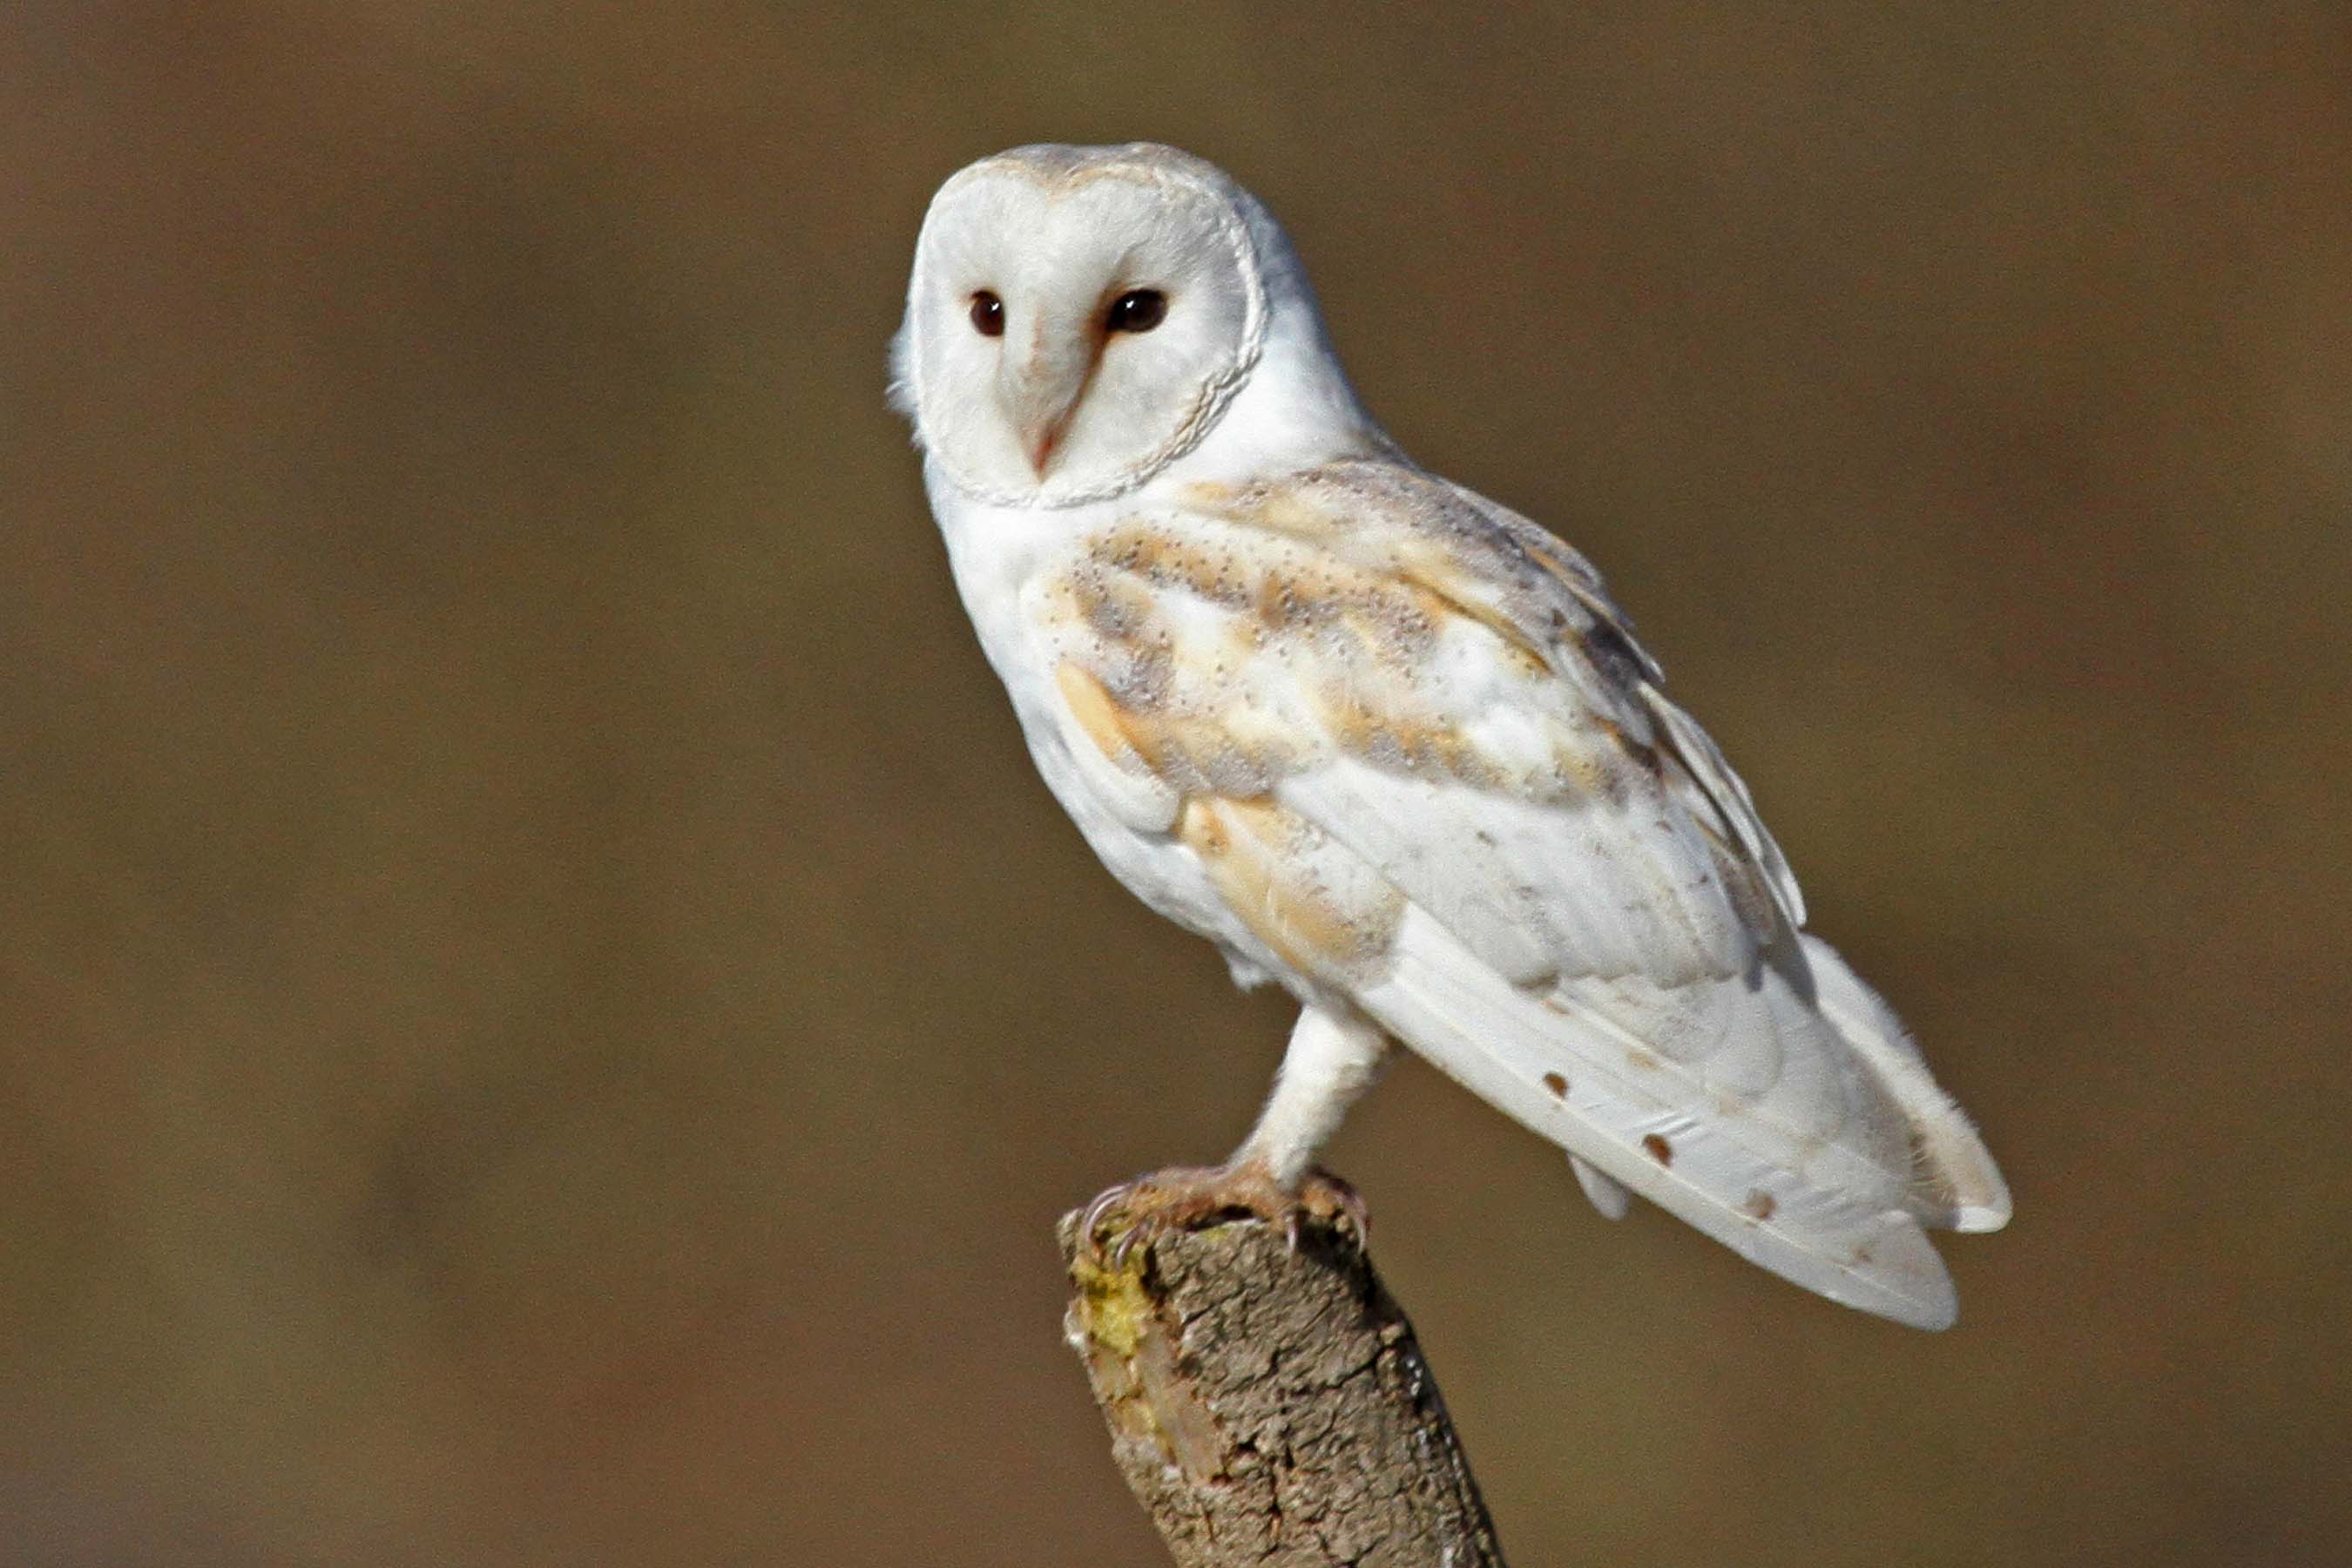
x: 1190, y: 1198
x: 1332, y: 1059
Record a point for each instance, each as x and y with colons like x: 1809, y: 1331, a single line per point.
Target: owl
x: 1388, y: 744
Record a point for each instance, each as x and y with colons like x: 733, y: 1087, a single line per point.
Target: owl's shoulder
x: 1386, y: 516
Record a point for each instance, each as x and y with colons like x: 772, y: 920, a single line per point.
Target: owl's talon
x: 1090, y: 1222
x: 1118, y: 1254
x: 1336, y: 1200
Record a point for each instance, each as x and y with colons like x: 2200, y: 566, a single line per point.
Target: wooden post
x: 1272, y: 1407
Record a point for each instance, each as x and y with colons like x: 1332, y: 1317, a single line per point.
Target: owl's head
x: 1080, y: 318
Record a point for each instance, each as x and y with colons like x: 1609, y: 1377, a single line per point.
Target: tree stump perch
x: 1271, y: 1407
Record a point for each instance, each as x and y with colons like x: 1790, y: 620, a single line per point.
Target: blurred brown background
x: 545, y: 1018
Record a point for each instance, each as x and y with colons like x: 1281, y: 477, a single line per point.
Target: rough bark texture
x: 1273, y: 1408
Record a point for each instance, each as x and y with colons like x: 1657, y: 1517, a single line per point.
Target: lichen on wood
x: 1271, y: 1407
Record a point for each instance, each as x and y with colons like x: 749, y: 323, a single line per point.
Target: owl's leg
x: 1333, y: 1059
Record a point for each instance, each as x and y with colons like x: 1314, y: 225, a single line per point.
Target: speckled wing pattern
x: 1428, y: 771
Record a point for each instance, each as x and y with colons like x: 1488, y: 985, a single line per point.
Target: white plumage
x: 1386, y: 743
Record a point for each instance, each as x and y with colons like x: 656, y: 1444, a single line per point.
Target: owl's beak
x: 1041, y: 390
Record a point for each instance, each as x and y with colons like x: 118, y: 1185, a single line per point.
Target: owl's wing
x: 1425, y: 762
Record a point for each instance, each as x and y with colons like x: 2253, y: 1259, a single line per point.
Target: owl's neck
x: 1297, y: 410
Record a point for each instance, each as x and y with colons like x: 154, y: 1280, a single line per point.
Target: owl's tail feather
x: 1960, y: 1187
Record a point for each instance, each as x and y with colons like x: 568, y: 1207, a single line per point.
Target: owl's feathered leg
x: 1333, y: 1059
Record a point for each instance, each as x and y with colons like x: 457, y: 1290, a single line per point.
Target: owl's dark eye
x: 1137, y: 310
x: 988, y: 314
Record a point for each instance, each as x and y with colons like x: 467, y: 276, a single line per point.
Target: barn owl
x: 1386, y: 744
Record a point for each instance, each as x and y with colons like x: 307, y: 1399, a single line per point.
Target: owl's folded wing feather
x: 1424, y: 760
